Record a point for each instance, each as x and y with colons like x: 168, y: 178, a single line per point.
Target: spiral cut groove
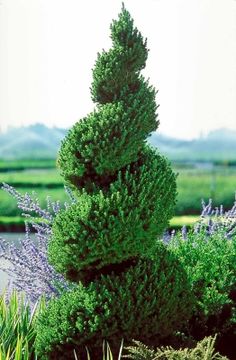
x: 129, y: 284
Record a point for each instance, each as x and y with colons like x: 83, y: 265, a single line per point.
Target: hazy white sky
x: 48, y: 48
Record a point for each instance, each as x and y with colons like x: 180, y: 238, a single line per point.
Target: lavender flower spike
x: 28, y: 265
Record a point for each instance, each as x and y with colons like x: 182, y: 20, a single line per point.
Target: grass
x: 7, y: 220
x: 180, y: 221
x: 33, y: 178
x: 195, y: 185
x: 17, y: 327
x: 106, y: 352
x: 8, y: 165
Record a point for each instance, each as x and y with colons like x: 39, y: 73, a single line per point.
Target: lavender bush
x: 207, y: 253
x: 215, y: 219
x: 28, y: 267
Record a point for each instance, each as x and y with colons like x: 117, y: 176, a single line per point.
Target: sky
x: 49, y: 47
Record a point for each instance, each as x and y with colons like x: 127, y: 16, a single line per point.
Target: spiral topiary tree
x: 129, y: 285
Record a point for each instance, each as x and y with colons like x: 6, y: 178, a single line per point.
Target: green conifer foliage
x: 129, y: 285
x: 112, y: 136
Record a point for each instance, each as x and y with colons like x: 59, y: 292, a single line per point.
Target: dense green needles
x: 128, y: 284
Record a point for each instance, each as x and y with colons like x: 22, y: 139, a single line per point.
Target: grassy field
x: 49, y: 178
x: 26, y: 164
x: 194, y: 184
x: 8, y: 204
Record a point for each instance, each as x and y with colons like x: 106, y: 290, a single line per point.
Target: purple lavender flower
x: 28, y: 264
x: 214, y: 219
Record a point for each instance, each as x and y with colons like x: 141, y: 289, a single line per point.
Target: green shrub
x: 113, y: 226
x: 150, y: 297
x: 203, y: 351
x: 208, y: 256
x: 128, y: 284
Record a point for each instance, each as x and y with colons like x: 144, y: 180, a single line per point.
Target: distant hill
x: 39, y: 141
x: 219, y: 144
x: 34, y: 141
